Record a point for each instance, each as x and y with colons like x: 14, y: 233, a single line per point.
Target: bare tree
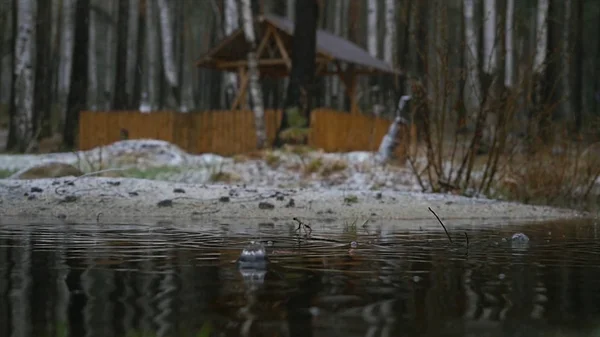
x: 131, y: 61
x: 92, y: 94
x: 473, y: 85
x: 65, y: 66
x: 24, y: 85
x: 168, y: 47
x: 254, y: 75
x: 6, y: 55
x: 509, y: 60
x: 231, y: 23
x: 372, y: 38
x: 109, y: 52
x: 490, y: 50
x: 150, y: 92
x: 389, y: 41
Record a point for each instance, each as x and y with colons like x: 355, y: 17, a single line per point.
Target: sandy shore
x: 134, y: 201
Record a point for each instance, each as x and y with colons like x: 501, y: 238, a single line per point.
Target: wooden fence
x: 232, y: 132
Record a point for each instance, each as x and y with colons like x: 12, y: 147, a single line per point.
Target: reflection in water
x: 111, y: 281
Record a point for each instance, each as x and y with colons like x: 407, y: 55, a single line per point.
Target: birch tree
x: 389, y: 41
x: 231, y: 23
x: 254, y: 75
x: 24, y: 85
x: 167, y: 46
x: 473, y: 85
x: 65, y: 66
x: 539, y: 62
x: 150, y: 92
x: 489, y: 36
x: 372, y: 41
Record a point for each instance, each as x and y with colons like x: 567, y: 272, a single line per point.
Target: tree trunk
x: 232, y: 19
x: 577, y: 64
x: 24, y: 82
x: 509, y: 60
x: 150, y: 94
x: 131, y: 62
x: 254, y: 76
x: 473, y: 85
x: 298, y: 100
x: 7, y: 45
x: 110, y: 54
x: 490, y: 48
x: 372, y: 38
x: 188, y: 54
x: 168, y: 48
x: 65, y: 66
x: 92, y: 95
x: 290, y: 6
x: 79, y: 74
x: 342, y: 27
x: 389, y: 41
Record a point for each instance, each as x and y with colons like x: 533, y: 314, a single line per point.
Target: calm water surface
x: 111, y: 280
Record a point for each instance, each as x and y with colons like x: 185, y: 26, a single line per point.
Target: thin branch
x: 441, y: 223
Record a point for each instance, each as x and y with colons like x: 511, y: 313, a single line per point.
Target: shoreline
x: 135, y: 201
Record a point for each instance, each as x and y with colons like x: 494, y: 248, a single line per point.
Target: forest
x: 496, y: 70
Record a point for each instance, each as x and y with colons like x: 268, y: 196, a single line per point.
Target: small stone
x: 265, y: 205
x: 290, y: 203
x: 165, y: 203
x: 378, y: 196
x: 36, y: 190
x: 70, y: 183
x: 114, y: 183
x: 61, y: 216
x: 31, y: 197
x: 69, y: 198
x: 178, y: 190
x: 133, y: 194
x: 280, y: 197
x: 224, y: 199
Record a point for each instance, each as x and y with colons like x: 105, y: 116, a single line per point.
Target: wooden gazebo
x: 274, y: 37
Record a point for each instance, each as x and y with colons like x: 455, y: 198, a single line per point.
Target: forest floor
x: 265, y: 187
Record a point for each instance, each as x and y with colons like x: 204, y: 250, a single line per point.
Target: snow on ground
x: 278, y: 168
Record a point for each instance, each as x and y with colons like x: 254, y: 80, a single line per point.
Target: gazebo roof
x: 274, y: 45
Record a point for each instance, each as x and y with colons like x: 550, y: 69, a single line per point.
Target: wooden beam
x: 263, y: 42
x: 240, y: 98
x: 262, y: 62
x: 349, y: 80
x: 282, y: 50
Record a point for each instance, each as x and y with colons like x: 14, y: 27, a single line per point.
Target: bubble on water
x: 501, y: 276
x: 270, y: 243
x: 416, y: 278
x: 254, y: 255
x: 520, y: 237
x: 353, y: 244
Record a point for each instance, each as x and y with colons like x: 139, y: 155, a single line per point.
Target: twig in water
x: 441, y: 223
x: 303, y: 225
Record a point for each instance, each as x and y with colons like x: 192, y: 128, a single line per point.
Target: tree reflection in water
x: 111, y: 282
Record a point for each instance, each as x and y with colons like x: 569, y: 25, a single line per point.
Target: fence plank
x: 233, y: 132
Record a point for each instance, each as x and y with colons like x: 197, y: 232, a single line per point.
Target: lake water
x: 111, y: 280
